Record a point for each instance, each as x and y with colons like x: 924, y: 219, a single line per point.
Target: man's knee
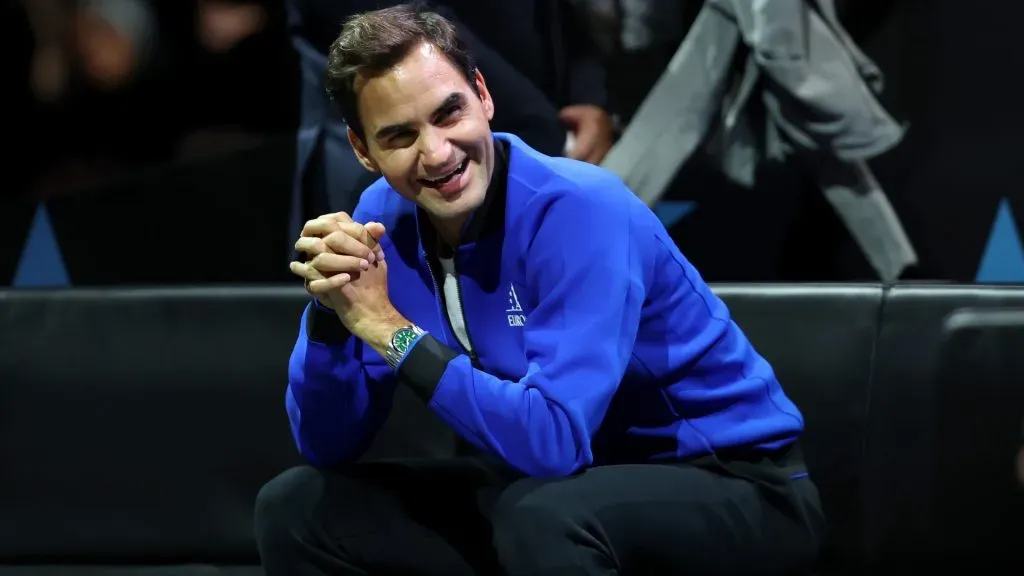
x: 536, y: 510
x: 544, y: 527
x: 286, y: 505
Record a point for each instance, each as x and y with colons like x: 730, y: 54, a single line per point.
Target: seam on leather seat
x: 872, y: 377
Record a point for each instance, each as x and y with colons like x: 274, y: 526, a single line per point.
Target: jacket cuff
x: 423, y: 366
x: 323, y: 325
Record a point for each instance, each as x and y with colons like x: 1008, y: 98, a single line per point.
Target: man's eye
x: 401, y: 137
x: 450, y: 113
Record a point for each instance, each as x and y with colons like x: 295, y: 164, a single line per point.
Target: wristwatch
x: 400, y: 342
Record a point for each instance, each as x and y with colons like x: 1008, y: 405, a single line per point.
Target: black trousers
x: 465, y: 516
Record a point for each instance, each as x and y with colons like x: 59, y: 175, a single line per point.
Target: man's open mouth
x: 448, y: 177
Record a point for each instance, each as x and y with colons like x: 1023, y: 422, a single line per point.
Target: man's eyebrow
x: 386, y: 132
x: 454, y: 100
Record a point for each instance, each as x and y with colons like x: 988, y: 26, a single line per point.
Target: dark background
x: 949, y: 70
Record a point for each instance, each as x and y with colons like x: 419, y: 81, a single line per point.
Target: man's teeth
x: 447, y: 176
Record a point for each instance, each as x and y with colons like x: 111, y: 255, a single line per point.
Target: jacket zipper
x: 462, y: 309
x: 462, y: 446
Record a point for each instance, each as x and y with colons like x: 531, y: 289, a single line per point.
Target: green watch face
x: 402, y: 339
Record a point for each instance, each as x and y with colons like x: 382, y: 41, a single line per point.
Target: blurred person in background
x: 637, y: 38
x: 94, y: 88
x: 114, y: 40
x: 116, y: 85
x: 541, y: 64
x: 243, y: 70
x: 223, y: 25
x: 713, y: 86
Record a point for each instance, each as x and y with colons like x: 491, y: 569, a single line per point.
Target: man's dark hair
x: 374, y: 42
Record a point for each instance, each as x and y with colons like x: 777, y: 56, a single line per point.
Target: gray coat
x: 757, y: 81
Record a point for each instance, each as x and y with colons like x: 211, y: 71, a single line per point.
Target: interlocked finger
x: 320, y: 227
x: 315, y: 282
x: 311, y: 246
x: 328, y: 264
x: 353, y: 240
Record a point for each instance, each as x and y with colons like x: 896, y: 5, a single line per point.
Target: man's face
x: 428, y: 133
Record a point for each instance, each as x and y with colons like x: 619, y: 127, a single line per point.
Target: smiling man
x: 619, y: 422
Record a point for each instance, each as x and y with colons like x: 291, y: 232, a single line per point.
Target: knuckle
x: 325, y: 224
x: 334, y: 241
x: 345, y: 244
x: 354, y: 229
x: 312, y: 227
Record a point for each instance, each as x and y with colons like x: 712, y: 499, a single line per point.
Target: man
x: 624, y: 423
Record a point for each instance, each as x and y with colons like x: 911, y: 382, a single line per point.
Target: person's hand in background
x: 593, y: 132
x: 223, y: 25
x: 114, y: 40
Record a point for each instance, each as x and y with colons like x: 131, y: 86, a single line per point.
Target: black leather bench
x: 136, y: 426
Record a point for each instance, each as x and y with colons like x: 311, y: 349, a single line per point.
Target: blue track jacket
x: 594, y: 340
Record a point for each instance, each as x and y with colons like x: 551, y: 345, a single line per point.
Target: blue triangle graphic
x: 41, y: 264
x: 670, y: 212
x: 1003, y: 260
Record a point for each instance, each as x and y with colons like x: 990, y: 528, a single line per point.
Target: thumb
x: 376, y: 229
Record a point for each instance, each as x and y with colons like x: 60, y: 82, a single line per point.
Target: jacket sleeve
x: 339, y: 391
x: 336, y: 403
x: 584, y: 262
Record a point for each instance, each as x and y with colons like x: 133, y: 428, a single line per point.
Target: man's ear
x: 485, y: 95
x: 361, y: 153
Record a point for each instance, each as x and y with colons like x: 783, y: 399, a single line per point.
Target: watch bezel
x: 394, y: 354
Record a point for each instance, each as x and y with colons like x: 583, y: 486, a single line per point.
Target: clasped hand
x: 345, y: 268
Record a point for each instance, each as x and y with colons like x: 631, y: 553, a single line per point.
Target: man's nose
x: 435, y: 150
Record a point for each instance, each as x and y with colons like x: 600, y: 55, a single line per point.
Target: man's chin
x: 449, y: 210
x: 463, y: 201
x: 452, y: 198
